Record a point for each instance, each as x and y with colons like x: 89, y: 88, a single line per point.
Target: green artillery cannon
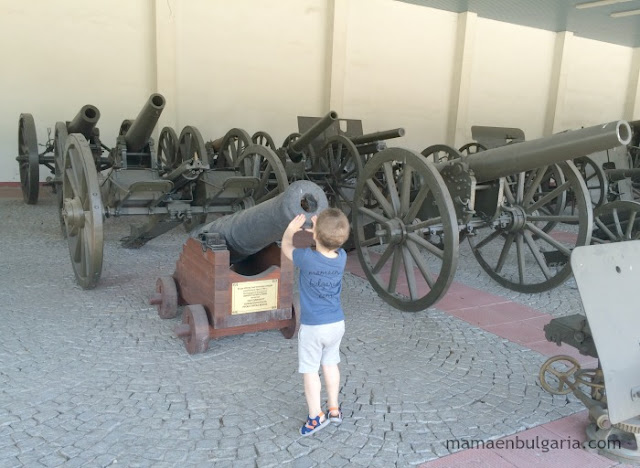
x: 139, y: 183
x: 410, y: 214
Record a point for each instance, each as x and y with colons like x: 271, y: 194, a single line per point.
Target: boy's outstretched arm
x: 287, y: 238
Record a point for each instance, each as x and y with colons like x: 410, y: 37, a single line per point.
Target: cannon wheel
x: 124, y: 127
x: 401, y: 238
x: 292, y: 330
x: 168, y: 149
x: 290, y: 138
x: 264, y: 139
x: 167, y: 300
x: 59, y: 145
x: 595, y: 179
x: 233, y: 144
x: 523, y: 232
x: 471, y: 148
x: 28, y: 159
x: 556, y: 372
x: 82, y: 211
x: 341, y: 159
x: 440, y: 153
x: 197, y: 341
x: 262, y: 163
x: 191, y: 146
x: 616, y: 221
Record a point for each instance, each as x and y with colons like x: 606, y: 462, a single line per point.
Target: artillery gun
x: 137, y: 182
x: 232, y: 276
x: 29, y: 159
x: 409, y: 215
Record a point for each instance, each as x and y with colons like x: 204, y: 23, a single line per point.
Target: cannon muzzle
x: 249, y: 231
x: 377, y: 136
x: 140, y: 130
x: 296, y: 148
x: 85, y: 121
x: 525, y: 156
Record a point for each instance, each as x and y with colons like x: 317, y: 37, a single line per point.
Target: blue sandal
x: 335, y: 419
x: 313, y: 425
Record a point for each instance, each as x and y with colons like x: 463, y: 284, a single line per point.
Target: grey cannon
x: 523, y: 207
x: 248, y: 231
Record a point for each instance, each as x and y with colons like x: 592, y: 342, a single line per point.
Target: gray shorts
x: 319, y: 344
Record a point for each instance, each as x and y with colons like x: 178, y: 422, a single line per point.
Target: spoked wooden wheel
x: 556, y: 374
x: 595, y: 179
x: 28, y: 159
x: 82, y: 211
x: 264, y: 139
x: 440, y: 153
x: 517, y: 252
x: 408, y: 245
x: 262, y: 163
x: 471, y: 148
x: 191, y: 146
x: 616, y: 221
x: 341, y: 159
x: 168, y: 149
x: 195, y: 329
x: 233, y: 144
x: 59, y: 145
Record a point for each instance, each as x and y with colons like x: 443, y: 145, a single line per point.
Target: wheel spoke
x: 405, y: 190
x: 554, y: 218
x: 383, y: 259
x: 548, y: 197
x: 534, y: 185
x: 630, y: 223
x: 424, y: 224
x: 391, y: 186
x: 416, y: 204
x: 73, y: 181
x: 488, y: 239
x: 537, y: 255
x: 508, y: 193
x: 426, y: 245
x: 373, y: 215
x: 419, y: 261
x: 606, y: 230
x: 544, y: 236
x: 380, y: 198
x: 616, y: 221
x: 409, y: 272
x: 508, y: 242
x: 521, y: 182
x: 395, y: 268
x: 520, y: 255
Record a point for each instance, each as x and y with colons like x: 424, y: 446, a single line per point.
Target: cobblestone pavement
x: 95, y: 378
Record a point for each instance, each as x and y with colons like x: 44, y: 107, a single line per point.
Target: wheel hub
x: 73, y: 213
x: 394, y: 231
x: 518, y: 218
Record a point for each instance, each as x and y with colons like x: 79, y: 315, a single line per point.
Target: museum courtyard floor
x: 96, y: 378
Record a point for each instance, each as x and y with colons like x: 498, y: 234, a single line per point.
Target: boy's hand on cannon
x: 296, y: 224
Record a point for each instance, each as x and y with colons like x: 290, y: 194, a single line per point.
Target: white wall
x: 511, y: 74
x: 58, y: 56
x: 258, y: 65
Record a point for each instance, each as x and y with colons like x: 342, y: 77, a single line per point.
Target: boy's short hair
x: 332, y: 228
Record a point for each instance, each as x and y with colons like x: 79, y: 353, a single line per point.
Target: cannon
x: 138, y: 183
x: 231, y: 275
x: 410, y: 213
x: 29, y: 159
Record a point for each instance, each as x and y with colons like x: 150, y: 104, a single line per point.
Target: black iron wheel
x: 595, y: 180
x: 82, y: 211
x: 440, y: 153
x: 264, y: 139
x: 233, y: 144
x: 408, y: 245
x: 28, y: 159
x: 616, y: 221
x: 264, y: 165
x: 168, y: 150
x: 342, y: 161
x: 518, y: 253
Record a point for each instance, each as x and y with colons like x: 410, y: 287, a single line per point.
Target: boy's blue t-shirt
x: 320, y: 286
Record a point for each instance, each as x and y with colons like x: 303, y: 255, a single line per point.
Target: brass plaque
x: 254, y: 296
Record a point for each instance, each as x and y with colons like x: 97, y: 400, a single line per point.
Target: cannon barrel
x: 85, y: 121
x: 519, y: 157
x: 248, y: 231
x: 616, y: 175
x: 376, y: 136
x: 140, y: 130
x: 372, y: 148
x: 295, y: 148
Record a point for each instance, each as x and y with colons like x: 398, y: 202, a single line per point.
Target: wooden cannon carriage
x: 231, y: 276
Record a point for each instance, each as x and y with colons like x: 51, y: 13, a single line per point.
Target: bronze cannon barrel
x: 296, y: 148
x: 377, y: 136
x: 248, y: 231
x: 85, y: 121
x: 140, y: 130
x: 519, y: 157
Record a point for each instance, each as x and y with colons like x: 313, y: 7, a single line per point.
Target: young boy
x: 321, y: 318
